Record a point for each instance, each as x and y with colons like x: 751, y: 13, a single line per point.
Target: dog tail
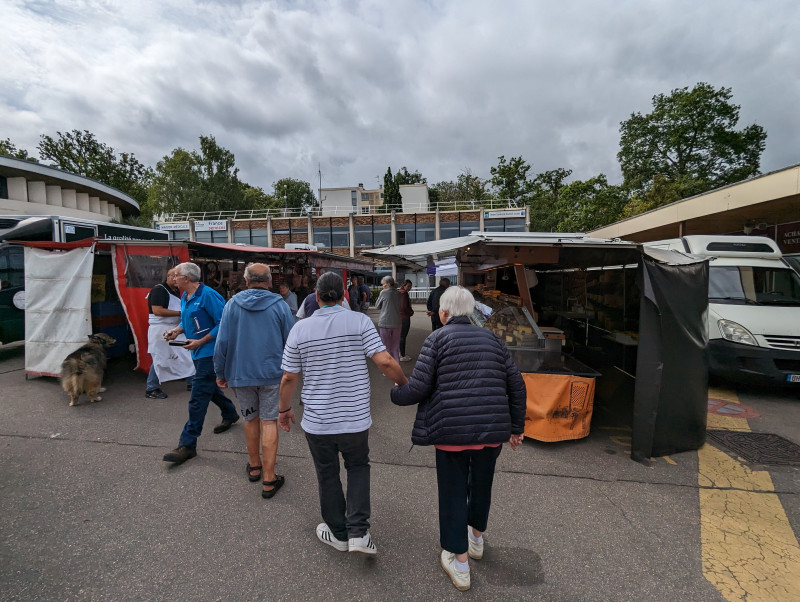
x: 71, y: 371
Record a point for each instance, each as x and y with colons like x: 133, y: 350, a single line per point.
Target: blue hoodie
x: 254, y: 328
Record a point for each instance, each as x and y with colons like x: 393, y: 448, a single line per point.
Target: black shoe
x: 179, y: 455
x: 155, y: 394
x: 225, y: 425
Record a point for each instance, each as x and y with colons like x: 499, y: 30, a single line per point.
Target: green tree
x: 586, y: 205
x: 254, y: 197
x: 510, y: 178
x: 80, y: 152
x: 294, y: 195
x: 219, y: 176
x: 467, y: 192
x: 391, y: 193
x: 403, y: 177
x: 188, y: 181
x: 544, y: 198
x: 661, y: 192
x: 9, y: 148
x: 177, y: 185
x: 690, y: 140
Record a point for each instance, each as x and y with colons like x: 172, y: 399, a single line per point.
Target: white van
x: 753, y: 307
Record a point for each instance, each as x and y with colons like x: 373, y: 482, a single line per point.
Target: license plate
x: 793, y: 378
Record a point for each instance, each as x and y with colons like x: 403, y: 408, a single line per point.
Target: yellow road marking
x: 749, y: 549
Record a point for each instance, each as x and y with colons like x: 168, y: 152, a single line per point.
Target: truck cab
x: 753, y: 308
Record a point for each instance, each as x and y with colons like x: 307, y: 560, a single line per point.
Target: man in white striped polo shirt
x: 330, y: 349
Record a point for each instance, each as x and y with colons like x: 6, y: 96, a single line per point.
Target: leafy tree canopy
x: 80, y: 152
x: 467, y: 192
x: 9, y: 148
x: 510, y: 178
x: 392, y: 200
x: 585, y: 205
x: 294, y: 194
x: 544, y: 197
x: 690, y: 140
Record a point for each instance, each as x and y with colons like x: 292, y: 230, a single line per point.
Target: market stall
x: 75, y: 289
x: 592, y: 324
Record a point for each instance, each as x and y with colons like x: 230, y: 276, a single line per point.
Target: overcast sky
x: 354, y: 87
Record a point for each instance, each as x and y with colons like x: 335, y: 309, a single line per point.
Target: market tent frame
x: 670, y: 393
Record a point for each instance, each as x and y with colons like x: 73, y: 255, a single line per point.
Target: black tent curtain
x: 671, y: 390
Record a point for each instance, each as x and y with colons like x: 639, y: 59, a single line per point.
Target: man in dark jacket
x: 471, y: 400
x: 433, y: 302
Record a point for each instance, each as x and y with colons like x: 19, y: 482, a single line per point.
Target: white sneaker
x: 459, y: 578
x: 405, y: 358
x: 475, y: 550
x: 362, y: 544
x: 325, y: 535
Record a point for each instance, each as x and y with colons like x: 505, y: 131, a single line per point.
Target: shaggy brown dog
x: 82, y: 371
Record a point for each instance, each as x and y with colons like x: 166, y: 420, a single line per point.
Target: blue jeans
x: 204, y: 390
x: 152, y: 379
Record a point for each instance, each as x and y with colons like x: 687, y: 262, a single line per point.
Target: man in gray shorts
x: 254, y: 327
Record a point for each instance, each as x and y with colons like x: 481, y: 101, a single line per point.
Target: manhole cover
x: 762, y: 448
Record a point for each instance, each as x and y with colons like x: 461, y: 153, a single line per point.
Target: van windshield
x: 753, y: 285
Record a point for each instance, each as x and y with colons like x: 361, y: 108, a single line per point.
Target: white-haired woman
x: 389, y: 322
x: 471, y: 400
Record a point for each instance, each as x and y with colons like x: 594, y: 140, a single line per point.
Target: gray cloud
x: 356, y: 86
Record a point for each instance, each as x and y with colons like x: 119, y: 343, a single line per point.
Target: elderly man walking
x: 331, y: 348
x: 254, y: 328
x: 201, y: 312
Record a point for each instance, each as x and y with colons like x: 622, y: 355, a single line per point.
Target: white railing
x: 335, y: 211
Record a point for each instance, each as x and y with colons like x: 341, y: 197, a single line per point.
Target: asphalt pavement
x: 91, y: 512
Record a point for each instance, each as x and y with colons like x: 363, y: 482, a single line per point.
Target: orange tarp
x: 559, y: 406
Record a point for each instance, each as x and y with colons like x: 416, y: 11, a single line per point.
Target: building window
x: 363, y: 235
x: 426, y: 232
x: 467, y: 227
x: 354, y: 198
x: 493, y: 225
x: 515, y: 225
x: 259, y: 237
x: 322, y: 236
x: 382, y: 235
x: 448, y: 230
x: 406, y: 234
x: 241, y: 236
x: 340, y: 236
x: 179, y: 235
x: 365, y: 210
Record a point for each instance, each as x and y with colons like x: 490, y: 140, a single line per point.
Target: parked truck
x: 753, y: 308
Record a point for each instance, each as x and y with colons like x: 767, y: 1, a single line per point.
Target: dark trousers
x: 204, y: 390
x: 404, y: 328
x: 436, y: 323
x: 346, y: 517
x: 465, y: 493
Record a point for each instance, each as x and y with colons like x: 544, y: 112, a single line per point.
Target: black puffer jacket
x: 468, y: 389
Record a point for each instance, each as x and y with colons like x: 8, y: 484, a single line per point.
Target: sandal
x: 253, y: 478
x: 276, y: 484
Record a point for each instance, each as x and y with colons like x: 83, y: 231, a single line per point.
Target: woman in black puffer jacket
x: 471, y: 400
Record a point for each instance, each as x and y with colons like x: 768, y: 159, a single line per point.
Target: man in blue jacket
x: 201, y: 311
x: 254, y: 328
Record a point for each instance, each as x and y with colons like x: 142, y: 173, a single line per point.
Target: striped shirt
x: 331, y: 349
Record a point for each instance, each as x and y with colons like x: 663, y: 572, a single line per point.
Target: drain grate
x: 762, y: 448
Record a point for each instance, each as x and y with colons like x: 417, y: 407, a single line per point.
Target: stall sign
x: 504, y: 213
x: 210, y: 225
x: 789, y: 238
x: 173, y: 226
